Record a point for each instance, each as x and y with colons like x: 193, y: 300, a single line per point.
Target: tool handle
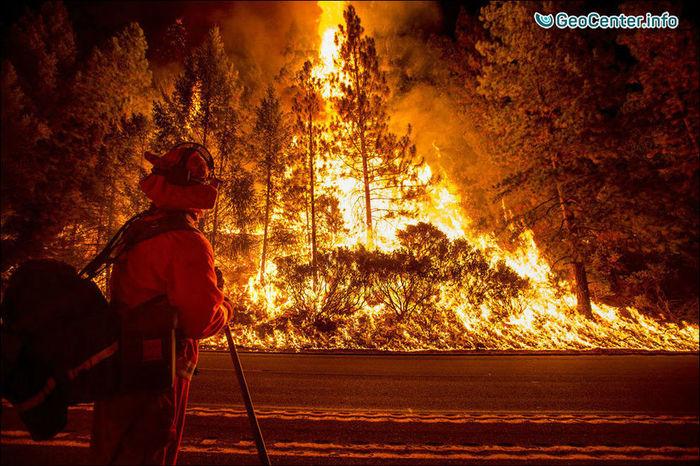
x: 254, y: 426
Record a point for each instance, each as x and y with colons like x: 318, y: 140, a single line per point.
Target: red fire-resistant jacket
x: 146, y: 428
x: 180, y: 265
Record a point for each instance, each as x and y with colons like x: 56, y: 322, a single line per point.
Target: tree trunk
x: 583, y: 296
x: 313, y: 202
x: 205, y: 126
x: 360, y: 121
x: 268, y: 190
x: 368, y: 199
x: 307, y: 217
x: 205, y: 130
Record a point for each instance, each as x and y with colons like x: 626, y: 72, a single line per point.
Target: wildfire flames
x: 542, y: 318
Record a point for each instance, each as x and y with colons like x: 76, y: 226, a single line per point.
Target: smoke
x: 262, y: 37
x: 386, y: 19
x: 410, y: 38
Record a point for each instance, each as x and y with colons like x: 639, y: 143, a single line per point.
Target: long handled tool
x: 254, y: 426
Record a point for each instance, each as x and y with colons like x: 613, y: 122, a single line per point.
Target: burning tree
x: 420, y: 287
x: 270, y: 136
x: 385, y: 165
x: 307, y: 107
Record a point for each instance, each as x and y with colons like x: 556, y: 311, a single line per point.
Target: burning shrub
x: 402, y: 283
x: 321, y: 304
x: 405, y: 287
x: 414, y: 296
x: 481, y: 283
x: 422, y: 282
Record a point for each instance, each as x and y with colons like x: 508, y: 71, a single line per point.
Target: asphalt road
x: 395, y: 409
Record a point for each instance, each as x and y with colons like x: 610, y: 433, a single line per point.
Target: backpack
x: 63, y: 343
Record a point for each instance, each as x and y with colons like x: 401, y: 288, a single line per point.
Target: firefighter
x: 146, y: 427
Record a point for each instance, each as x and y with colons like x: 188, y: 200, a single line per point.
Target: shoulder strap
x: 148, y: 228
x: 141, y: 227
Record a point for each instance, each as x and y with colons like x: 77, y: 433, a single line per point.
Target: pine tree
x: 649, y: 254
x: 552, y: 96
x: 21, y: 171
x: 205, y: 93
x: 384, y: 164
x: 176, y: 43
x: 42, y: 177
x: 42, y: 49
x: 306, y: 107
x: 243, y: 206
x: 87, y: 124
x: 270, y: 139
x: 216, y: 87
x: 113, y: 96
x: 228, y: 146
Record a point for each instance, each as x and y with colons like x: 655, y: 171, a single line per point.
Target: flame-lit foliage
x: 72, y: 136
x: 591, y: 180
x: 270, y: 135
x: 307, y: 106
x: 337, y: 295
x: 421, y: 288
